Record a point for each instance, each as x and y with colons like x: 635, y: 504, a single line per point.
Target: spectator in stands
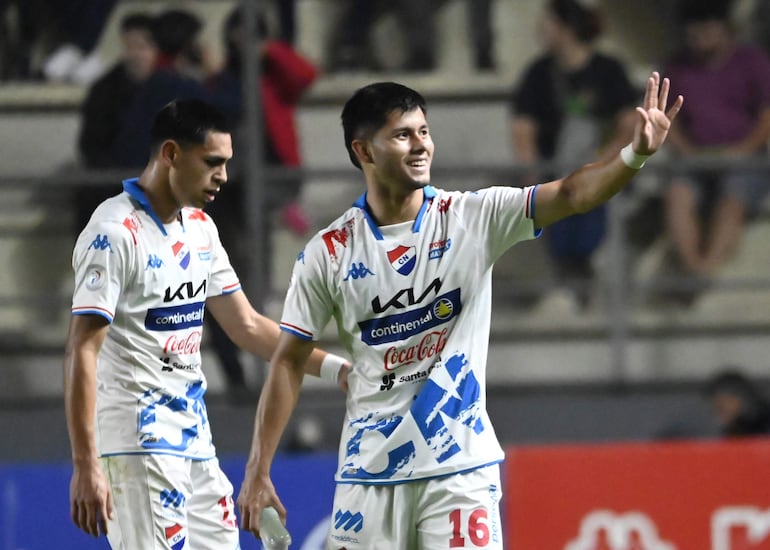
x: 285, y: 77
x: 78, y: 27
x: 182, y: 63
x: 106, y: 103
x: 740, y: 407
x: 352, y: 48
x: 572, y: 104
x: 727, y: 118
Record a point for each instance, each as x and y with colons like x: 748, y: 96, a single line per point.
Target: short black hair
x: 175, y: 30
x: 186, y: 121
x: 582, y: 20
x: 369, y: 107
x: 696, y: 11
x: 137, y: 22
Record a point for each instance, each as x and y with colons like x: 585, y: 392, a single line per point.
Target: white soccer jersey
x: 150, y: 280
x: 412, y: 304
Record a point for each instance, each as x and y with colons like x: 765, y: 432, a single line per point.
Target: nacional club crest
x: 403, y: 259
x: 181, y: 253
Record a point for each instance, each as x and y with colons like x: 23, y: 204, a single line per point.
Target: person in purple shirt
x: 727, y: 85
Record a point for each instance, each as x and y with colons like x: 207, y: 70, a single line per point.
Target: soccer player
x: 149, y: 260
x: 406, y: 273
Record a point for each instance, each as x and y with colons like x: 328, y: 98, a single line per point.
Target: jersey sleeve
x: 309, y: 302
x: 223, y: 279
x: 501, y: 216
x: 102, y: 261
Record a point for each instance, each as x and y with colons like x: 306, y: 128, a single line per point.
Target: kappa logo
x: 605, y: 530
x: 153, y: 262
x: 740, y: 528
x: 403, y: 259
x: 181, y: 253
x: 172, y: 498
x: 100, y: 242
x: 348, y: 521
x: 358, y: 271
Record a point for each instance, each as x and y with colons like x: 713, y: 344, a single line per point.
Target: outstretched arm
x: 276, y: 404
x: 595, y: 183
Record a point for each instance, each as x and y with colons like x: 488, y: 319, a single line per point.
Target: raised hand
x: 654, y: 121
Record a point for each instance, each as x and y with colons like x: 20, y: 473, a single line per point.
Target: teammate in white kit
x: 146, y: 265
x: 406, y: 274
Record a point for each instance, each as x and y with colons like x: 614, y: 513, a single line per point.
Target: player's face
x: 402, y: 150
x: 200, y: 170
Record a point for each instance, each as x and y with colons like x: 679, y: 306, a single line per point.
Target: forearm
x: 757, y: 139
x: 595, y: 183
x: 276, y: 404
x: 80, y: 404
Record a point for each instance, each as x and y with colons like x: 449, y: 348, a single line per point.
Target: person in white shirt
x: 406, y: 274
x: 145, y: 471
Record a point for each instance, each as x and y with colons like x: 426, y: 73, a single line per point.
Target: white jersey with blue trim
x: 150, y: 280
x: 412, y: 303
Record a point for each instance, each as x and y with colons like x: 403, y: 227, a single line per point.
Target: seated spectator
x: 78, y: 26
x: 351, y: 48
x: 727, y: 117
x: 739, y: 406
x: 285, y: 77
x: 572, y: 104
x: 105, y: 106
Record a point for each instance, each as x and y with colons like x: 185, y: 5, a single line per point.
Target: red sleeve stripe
x: 302, y: 333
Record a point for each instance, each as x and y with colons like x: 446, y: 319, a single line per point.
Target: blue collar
x: 428, y: 193
x: 131, y: 186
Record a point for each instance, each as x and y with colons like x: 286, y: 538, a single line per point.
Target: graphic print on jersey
x: 455, y: 400
x: 157, y: 426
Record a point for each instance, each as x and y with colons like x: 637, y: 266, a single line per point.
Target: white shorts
x: 164, y: 502
x: 457, y: 511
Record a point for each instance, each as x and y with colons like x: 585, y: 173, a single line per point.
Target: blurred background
x: 612, y: 330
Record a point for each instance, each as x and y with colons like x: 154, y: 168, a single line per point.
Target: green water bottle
x: 272, y: 531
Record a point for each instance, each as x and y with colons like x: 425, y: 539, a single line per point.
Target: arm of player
x: 276, y: 404
x: 596, y: 183
x: 90, y: 497
x: 257, y: 334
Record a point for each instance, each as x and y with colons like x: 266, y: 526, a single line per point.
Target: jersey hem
x: 411, y: 479
x: 180, y: 455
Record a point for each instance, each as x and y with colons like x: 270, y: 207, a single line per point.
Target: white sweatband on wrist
x: 330, y: 367
x: 631, y: 158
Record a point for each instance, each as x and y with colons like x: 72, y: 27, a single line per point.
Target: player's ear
x: 361, y: 149
x: 169, y: 150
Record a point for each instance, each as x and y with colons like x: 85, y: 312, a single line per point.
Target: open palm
x: 654, y: 121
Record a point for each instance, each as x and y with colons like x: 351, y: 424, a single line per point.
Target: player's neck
x: 158, y: 192
x: 388, y: 208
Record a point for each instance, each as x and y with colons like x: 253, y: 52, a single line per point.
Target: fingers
x: 675, y: 108
x: 651, y: 93
x: 105, y: 513
x: 663, y: 95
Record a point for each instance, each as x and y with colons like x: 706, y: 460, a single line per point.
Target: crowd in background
x: 572, y: 103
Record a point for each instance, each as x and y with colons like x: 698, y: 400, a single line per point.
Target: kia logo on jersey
x: 403, y: 259
x: 181, y: 253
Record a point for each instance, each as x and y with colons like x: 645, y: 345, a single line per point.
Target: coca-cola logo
x: 183, y: 345
x: 429, y: 346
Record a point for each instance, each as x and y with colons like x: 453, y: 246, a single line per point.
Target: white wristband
x: 631, y: 158
x: 330, y: 367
